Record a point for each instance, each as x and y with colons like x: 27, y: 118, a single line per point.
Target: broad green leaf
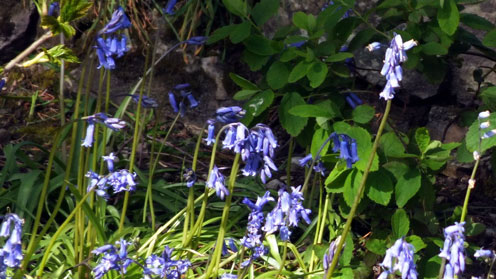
x: 221, y: 33
x: 422, y: 138
x: 433, y: 48
x: 346, y: 256
x: 242, y: 82
x: 340, y: 56
x: 376, y: 246
x: 304, y: 21
x: 317, y: 73
x: 264, y: 10
x: 293, y: 124
x: 476, y: 22
x: 400, y: 223
x: 391, y: 145
x: 490, y: 39
x: 244, y: 94
x: 448, y: 17
x: 351, y: 185
x: 416, y: 241
x: 277, y: 75
x: 325, y: 109
x: 463, y: 155
x: 258, y: 44
x: 254, y: 61
x: 299, y: 71
x: 407, y: 186
x: 258, y: 104
x: 397, y: 169
x: 288, y: 55
x: 335, y: 181
x: 329, y: 17
x: 379, y: 187
x: 386, y: 4
x: 237, y: 7
x: 488, y: 96
x: 240, y: 32
x: 361, y: 39
x: 363, y: 114
x: 319, y: 137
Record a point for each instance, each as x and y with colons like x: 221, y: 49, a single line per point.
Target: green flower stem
x: 361, y: 188
x: 55, y: 236
x: 284, y: 255
x: 189, y: 221
x: 290, y: 157
x: 469, y: 190
x: 133, y: 155
x: 199, y: 222
x: 225, y: 216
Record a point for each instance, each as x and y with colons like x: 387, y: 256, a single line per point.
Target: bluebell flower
x: 2, y: 83
x: 90, y: 130
x: 453, y: 250
x: 97, y: 183
x: 169, y: 7
x: 122, y: 180
x: 399, y: 258
x: 53, y: 9
x: 229, y: 276
x: 112, y: 259
x: 347, y: 148
x: 230, y: 244
x: 114, y: 123
x: 146, y: 101
x: 353, y: 100
x: 253, y: 238
x: 211, y: 132
x: 287, y: 212
x: 190, y: 177
x: 216, y: 181
x: 164, y: 266
x: 185, y: 95
x: 173, y: 103
x: 306, y: 161
x: 192, y: 101
x: 118, y: 21
x: 197, y: 40
x: 298, y: 44
x: 482, y: 253
x: 110, y: 161
x: 229, y: 114
x: 11, y: 252
x: 318, y: 166
x: 329, y: 255
x: 395, y: 55
x: 182, y: 86
x: 373, y: 46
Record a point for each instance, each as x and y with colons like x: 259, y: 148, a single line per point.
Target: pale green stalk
x: 361, y: 188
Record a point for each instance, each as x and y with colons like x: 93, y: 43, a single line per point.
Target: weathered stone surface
x: 18, y: 28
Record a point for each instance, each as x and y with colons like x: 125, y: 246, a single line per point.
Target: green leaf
x: 335, y: 181
x: 317, y: 73
x: 237, y: 7
x: 293, y: 124
x: 472, y: 137
x: 242, y: 82
x: 346, y: 256
x: 319, y: 137
x: 299, y: 71
x: 258, y: 104
x: 74, y: 9
x: 351, y: 185
x: 422, y: 138
x: 244, y: 94
x: 490, y: 39
x: 379, y: 187
x: 340, y: 56
x: 407, y: 186
x: 448, y: 17
x: 277, y: 75
x: 323, y: 109
x: 416, y: 241
x: 288, y: 55
x: 329, y: 17
x: 240, y: 32
x: 27, y: 192
x: 363, y: 114
x: 476, y: 22
x: 264, y: 10
x: 304, y: 21
x: 463, y: 155
x: 221, y: 33
x: 386, y: 4
x: 391, y: 145
x: 376, y: 246
x: 433, y: 48
x: 254, y: 61
x: 400, y: 223
x: 258, y: 44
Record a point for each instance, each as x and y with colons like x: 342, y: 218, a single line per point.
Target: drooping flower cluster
x: 185, y: 94
x: 169, y: 7
x: 164, y: 266
x: 253, y: 238
x: 329, y: 255
x: 286, y: 213
x: 453, y: 250
x: 395, y: 55
x: 11, y: 253
x: 216, y: 181
x: 112, y: 123
x: 225, y: 115
x: 347, y: 148
x: 114, y: 44
x: 399, y: 258
x: 121, y: 180
x: 112, y: 259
